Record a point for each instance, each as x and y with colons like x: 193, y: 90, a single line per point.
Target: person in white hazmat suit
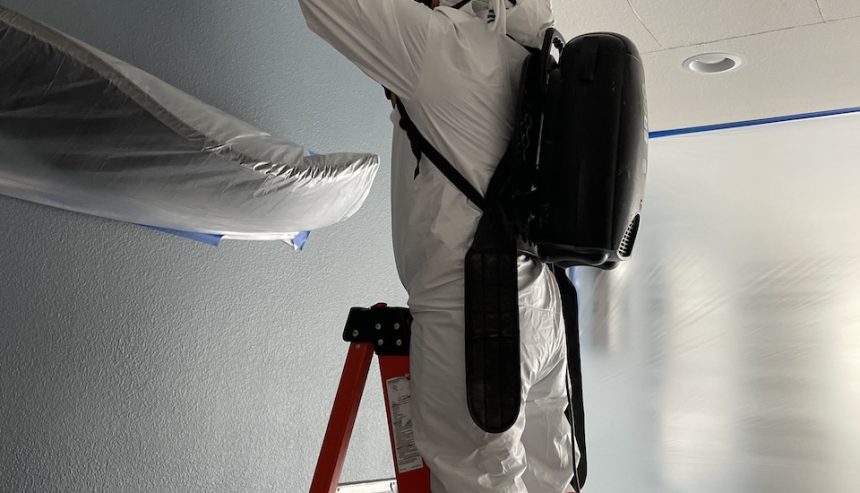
x: 458, y: 74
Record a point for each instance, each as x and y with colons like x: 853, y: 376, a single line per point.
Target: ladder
x: 384, y: 331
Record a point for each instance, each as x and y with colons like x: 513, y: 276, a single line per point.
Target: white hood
x: 526, y: 21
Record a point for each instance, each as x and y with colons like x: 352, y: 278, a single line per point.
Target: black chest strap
x: 420, y: 146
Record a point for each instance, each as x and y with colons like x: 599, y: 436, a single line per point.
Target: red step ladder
x: 384, y: 331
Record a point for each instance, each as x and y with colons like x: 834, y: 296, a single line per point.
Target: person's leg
x: 462, y: 458
x: 547, y: 433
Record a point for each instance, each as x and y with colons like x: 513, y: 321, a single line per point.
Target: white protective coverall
x: 458, y: 77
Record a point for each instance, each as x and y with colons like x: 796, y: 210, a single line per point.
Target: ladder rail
x: 342, y: 419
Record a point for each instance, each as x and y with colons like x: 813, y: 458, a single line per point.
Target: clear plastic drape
x: 83, y: 131
x: 725, y: 355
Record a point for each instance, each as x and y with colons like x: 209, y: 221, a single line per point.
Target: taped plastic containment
x: 83, y: 131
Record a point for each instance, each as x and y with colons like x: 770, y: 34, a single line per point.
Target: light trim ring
x: 713, y: 63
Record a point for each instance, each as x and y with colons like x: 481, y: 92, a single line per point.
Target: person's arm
x: 386, y: 39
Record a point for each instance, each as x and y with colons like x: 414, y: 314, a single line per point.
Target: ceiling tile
x: 785, y: 72
x: 839, y: 9
x: 575, y: 17
x: 678, y: 23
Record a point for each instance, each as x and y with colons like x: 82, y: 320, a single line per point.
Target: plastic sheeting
x: 725, y: 356
x: 83, y: 131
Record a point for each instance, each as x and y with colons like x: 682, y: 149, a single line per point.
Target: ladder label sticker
x: 400, y: 410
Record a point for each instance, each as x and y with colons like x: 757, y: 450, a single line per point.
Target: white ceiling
x: 799, y: 55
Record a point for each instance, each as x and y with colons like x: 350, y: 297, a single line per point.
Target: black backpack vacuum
x: 568, y: 191
x: 573, y: 177
x: 579, y: 193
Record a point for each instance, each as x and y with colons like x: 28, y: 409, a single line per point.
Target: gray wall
x: 135, y: 361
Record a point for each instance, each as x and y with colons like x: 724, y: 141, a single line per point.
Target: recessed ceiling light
x: 713, y: 63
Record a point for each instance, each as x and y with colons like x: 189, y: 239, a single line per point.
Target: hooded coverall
x: 459, y: 82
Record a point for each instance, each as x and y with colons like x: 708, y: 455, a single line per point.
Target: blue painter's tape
x: 751, y: 123
x: 300, y: 239
x: 208, y: 239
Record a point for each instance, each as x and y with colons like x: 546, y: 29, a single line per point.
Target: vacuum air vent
x: 626, y: 247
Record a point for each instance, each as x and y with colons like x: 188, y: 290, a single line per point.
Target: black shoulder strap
x: 493, y: 385
x: 420, y: 145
